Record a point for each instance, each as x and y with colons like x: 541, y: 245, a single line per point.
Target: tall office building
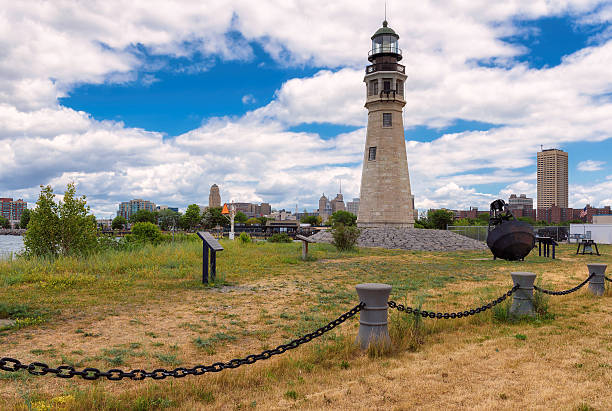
x: 552, y: 178
x: 214, y: 198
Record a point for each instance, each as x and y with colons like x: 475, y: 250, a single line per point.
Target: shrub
x: 63, y: 228
x: 146, y: 232
x: 343, y: 217
x: 280, y: 238
x: 244, y: 238
x: 345, y: 237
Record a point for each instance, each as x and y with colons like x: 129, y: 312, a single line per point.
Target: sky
x: 159, y: 100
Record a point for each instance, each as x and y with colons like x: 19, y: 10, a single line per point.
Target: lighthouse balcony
x: 373, y: 68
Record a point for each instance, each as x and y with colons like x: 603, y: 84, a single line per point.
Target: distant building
x: 165, y: 207
x: 104, y: 223
x: 254, y: 210
x: 12, y: 210
x: 602, y: 219
x: 552, y: 178
x: 472, y: 213
x: 521, y: 206
x: 129, y: 208
x: 353, y: 206
x: 214, y: 198
x: 325, y: 208
x: 554, y: 214
x: 282, y: 215
x: 337, y: 204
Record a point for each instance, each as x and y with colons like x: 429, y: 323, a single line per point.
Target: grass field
x: 148, y: 309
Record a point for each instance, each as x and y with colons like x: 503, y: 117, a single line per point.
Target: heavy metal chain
x: 466, y: 313
x: 608, y: 279
x: 66, y: 371
x: 564, y: 292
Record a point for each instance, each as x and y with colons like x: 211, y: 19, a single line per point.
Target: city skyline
x: 267, y: 102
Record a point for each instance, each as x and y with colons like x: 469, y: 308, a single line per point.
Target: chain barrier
x: 460, y: 314
x: 66, y: 371
x: 571, y: 290
x: 608, y: 279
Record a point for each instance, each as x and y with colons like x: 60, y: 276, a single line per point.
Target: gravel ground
x: 409, y: 239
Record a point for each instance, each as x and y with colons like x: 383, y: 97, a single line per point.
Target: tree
x: 263, y: 220
x: 42, y: 236
x: 343, y: 217
x: 78, y: 228
x: 66, y: 228
x: 192, y: 217
x: 119, y: 223
x: 345, y: 237
x: 440, y: 218
x: 4, y: 223
x: 25, y: 218
x: 213, y: 217
x: 240, y: 217
x: 252, y: 221
x: 168, y: 219
x: 146, y: 232
x: 143, y: 216
x: 312, y: 220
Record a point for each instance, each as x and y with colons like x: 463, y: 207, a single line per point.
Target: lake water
x: 10, y: 244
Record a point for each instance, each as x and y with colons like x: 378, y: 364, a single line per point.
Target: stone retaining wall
x: 409, y: 239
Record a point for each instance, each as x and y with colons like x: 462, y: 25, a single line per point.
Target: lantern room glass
x: 384, y: 44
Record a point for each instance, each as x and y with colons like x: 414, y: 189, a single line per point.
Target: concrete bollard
x: 373, y: 321
x: 597, y: 282
x: 522, y: 302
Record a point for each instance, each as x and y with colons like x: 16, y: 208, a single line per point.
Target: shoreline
x: 17, y: 231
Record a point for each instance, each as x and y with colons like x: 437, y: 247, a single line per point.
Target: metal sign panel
x: 210, y: 240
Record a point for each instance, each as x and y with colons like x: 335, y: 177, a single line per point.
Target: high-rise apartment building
x: 11, y: 210
x: 552, y: 178
x: 129, y: 208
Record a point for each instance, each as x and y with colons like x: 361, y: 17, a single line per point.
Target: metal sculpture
x: 508, y: 238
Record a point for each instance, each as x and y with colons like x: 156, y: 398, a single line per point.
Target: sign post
x: 209, y: 244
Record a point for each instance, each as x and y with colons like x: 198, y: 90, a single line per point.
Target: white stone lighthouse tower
x: 385, y: 200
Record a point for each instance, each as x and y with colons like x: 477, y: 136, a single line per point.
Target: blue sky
x: 268, y: 102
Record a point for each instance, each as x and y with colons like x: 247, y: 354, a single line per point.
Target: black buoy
x: 508, y: 238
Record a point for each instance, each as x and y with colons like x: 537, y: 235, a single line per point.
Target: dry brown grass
x: 473, y: 363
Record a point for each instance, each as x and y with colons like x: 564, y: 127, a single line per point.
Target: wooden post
x: 204, y: 263
x: 213, y: 264
x: 304, y: 250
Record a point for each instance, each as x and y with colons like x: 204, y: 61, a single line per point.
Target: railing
x: 385, y: 49
x: 373, y: 309
x: 385, y: 67
x: 476, y: 232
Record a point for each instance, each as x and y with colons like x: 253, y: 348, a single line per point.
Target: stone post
x: 522, y: 302
x: 373, y: 321
x: 597, y: 282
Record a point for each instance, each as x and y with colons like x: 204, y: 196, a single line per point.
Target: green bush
x: 280, y: 238
x: 146, y: 233
x: 64, y: 228
x: 343, y: 217
x: 244, y: 238
x: 345, y: 237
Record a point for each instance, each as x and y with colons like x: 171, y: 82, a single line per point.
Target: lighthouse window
x: 400, y: 87
x: 372, y: 153
x: 373, y: 88
x: 386, y: 84
x: 387, y: 120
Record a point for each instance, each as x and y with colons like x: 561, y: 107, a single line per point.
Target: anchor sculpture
x: 508, y: 239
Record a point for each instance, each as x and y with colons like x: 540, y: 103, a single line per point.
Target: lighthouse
x: 385, y: 199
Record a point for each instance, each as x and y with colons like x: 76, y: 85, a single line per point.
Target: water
x: 10, y: 244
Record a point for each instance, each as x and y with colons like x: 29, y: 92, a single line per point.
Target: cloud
x: 47, y: 50
x: 248, y: 99
x: 590, y: 165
